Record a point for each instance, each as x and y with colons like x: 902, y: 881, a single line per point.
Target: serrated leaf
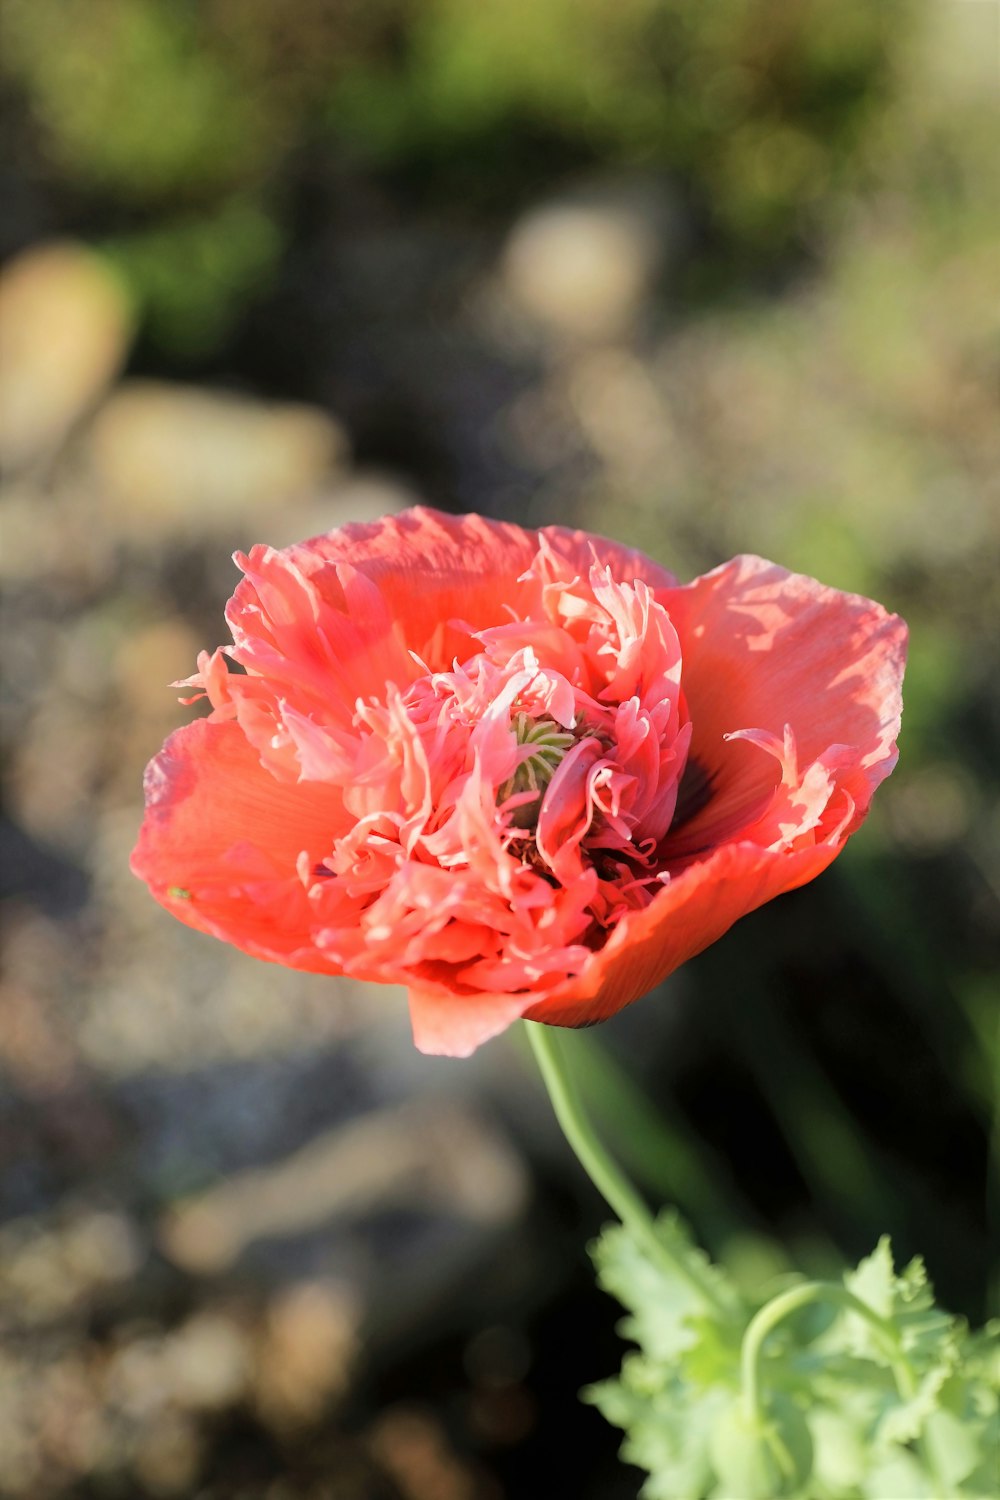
x: 713, y: 1357
x: 667, y: 1434
x: 872, y: 1283
x: 908, y: 1409
x: 840, y: 1454
x: 660, y: 1306
x: 955, y: 1446
x: 918, y: 1331
x: 761, y: 1457
x: 661, y: 1298
x: 938, y: 1426
x: 905, y: 1421
x: 669, y: 1395
x: 899, y: 1476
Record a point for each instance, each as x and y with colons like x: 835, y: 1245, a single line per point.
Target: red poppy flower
x: 524, y: 773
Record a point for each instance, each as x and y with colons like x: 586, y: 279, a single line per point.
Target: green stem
x: 782, y: 1306
x: 832, y: 1293
x: 610, y: 1181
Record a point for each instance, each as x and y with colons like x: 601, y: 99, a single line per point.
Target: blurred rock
x: 621, y: 412
x: 147, y: 661
x: 93, y: 700
x: 69, y: 1426
x: 102, y: 1248
x: 430, y: 1155
x: 36, y: 1053
x: 56, y: 771
x: 65, y: 326
x: 135, y: 1386
x: 582, y: 267
x: 168, y: 1456
x: 414, y: 1448
x: 306, y: 1352
x: 207, y: 1362
x: 52, y: 1270
x: 54, y: 534
x: 172, y: 460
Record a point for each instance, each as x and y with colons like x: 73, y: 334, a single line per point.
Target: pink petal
x: 446, y: 1024
x: 692, y: 911
x: 764, y: 648
x: 222, y: 838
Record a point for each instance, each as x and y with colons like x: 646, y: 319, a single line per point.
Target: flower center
x: 548, y: 744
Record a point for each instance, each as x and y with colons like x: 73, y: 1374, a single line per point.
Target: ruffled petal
x: 326, y: 648
x: 223, y: 841
x: 691, y: 912
x: 764, y: 648
x: 433, y: 569
x: 446, y: 1024
x: 436, y: 570
x: 582, y: 551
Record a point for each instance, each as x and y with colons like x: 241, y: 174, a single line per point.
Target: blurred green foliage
x: 194, y: 275
x: 170, y: 102
x: 883, y: 1394
x: 190, y: 116
x: 758, y: 105
x: 179, y: 119
x: 130, y: 98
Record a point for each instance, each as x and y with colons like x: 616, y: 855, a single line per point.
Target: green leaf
x: 955, y: 1445
x: 663, y: 1302
x: 899, y: 1476
x: 840, y: 1453
x: 939, y: 1428
x: 669, y: 1396
x: 872, y: 1283
x: 668, y: 1426
x: 926, y: 1335
x: 903, y: 1408
x: 761, y: 1458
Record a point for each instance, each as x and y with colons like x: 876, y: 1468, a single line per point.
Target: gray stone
x: 176, y: 461
x: 65, y: 328
x: 582, y: 266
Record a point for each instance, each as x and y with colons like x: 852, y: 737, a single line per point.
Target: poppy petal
x: 765, y: 648
x: 222, y: 839
x: 446, y: 1024
x: 437, y: 569
x: 692, y: 912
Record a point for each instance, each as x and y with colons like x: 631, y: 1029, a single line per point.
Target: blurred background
x: 703, y: 278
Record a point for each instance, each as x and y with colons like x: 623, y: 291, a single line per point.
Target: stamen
x: 548, y: 744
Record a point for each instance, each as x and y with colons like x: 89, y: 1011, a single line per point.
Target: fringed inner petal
x: 502, y: 810
x: 517, y: 772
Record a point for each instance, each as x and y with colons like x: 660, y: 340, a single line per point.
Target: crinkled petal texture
x: 523, y: 773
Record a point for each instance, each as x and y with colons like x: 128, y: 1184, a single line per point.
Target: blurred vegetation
x: 191, y: 118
